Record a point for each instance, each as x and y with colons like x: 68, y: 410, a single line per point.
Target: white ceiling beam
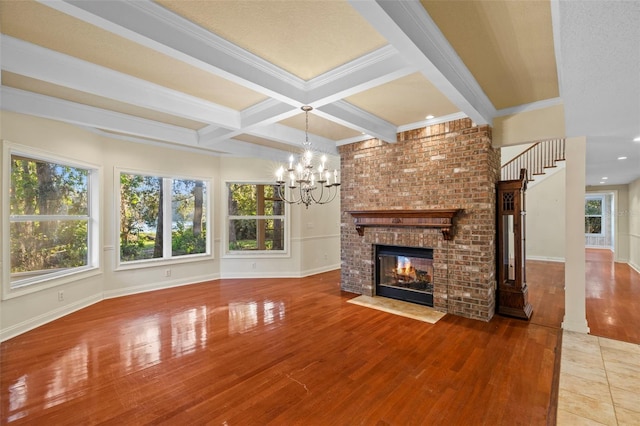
x: 410, y: 29
x: 237, y: 148
x: 33, y: 61
x: 267, y: 112
x: 70, y: 112
x: 294, y: 137
x: 366, y: 72
x: 153, y: 26
x: 351, y: 116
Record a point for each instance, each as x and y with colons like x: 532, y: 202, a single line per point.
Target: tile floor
x: 599, y: 381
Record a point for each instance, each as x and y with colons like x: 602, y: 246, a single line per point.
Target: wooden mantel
x: 433, y: 218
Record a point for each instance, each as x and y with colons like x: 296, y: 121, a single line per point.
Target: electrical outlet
x: 326, y: 256
x: 167, y: 272
x: 60, y: 296
x: 253, y: 265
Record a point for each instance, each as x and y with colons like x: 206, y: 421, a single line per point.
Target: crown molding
x: 431, y: 122
x: 546, y: 103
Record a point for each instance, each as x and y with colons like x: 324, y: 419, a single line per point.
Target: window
x: 256, y: 220
x: 162, y: 218
x: 53, y: 227
x: 593, y: 206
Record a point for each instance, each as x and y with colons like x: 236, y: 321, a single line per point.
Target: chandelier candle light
x: 304, y: 186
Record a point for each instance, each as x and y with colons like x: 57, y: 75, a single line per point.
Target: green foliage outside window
x: 256, y: 218
x: 142, y: 218
x: 49, y: 217
x: 593, y: 216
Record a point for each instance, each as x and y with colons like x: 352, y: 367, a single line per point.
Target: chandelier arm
x: 281, y: 194
x: 330, y: 197
x: 319, y: 200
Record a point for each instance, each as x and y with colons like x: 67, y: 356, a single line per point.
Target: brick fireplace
x: 450, y: 166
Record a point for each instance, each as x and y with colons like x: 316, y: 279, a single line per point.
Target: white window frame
x: 94, y: 232
x: 601, y: 215
x: 265, y: 254
x: 166, y: 230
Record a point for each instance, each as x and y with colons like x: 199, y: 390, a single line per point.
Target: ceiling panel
x: 405, y: 100
x: 507, y: 46
x: 304, y: 38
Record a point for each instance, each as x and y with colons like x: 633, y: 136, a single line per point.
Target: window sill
x: 151, y: 263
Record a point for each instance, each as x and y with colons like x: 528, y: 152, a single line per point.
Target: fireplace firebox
x: 404, y: 273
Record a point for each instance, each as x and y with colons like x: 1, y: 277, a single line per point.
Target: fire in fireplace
x: 404, y: 273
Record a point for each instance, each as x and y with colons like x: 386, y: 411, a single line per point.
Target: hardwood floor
x: 282, y: 352
x: 613, y: 297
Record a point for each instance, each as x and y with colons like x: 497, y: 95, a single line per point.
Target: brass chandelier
x: 307, y: 184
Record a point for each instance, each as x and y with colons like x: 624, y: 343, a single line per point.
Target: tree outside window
x: 256, y: 220
x: 593, y: 215
x: 151, y: 204
x: 50, y: 220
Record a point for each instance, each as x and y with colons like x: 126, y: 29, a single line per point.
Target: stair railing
x: 535, y: 159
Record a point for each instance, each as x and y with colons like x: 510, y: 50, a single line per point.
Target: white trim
x: 162, y: 261
x: 533, y: 106
x: 43, y: 64
x: 95, y: 190
x: 557, y: 42
x: 158, y: 28
x: 47, y: 317
x: 431, y: 122
x: 145, y: 288
x: 279, y: 274
x: 30, y: 103
x: 349, y: 115
x: 546, y: 258
x: 408, y: 26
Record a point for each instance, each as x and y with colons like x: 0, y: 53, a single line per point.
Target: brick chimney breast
x: 444, y: 166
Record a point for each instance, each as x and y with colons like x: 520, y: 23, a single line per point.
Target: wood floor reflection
x: 283, y: 352
x: 613, y: 297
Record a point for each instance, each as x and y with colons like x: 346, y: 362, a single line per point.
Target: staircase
x: 536, y: 160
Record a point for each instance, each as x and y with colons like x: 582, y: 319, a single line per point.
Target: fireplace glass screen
x: 405, y: 273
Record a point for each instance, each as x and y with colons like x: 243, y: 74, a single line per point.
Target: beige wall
x: 314, y: 231
x: 310, y: 243
x: 529, y: 126
x: 634, y: 224
x: 545, y: 203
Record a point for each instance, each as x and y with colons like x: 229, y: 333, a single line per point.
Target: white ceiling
x: 228, y: 77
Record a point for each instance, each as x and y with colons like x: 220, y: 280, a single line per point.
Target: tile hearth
x: 398, y: 307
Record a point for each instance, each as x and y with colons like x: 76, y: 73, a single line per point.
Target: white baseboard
x: 112, y: 294
x: 321, y: 270
x: 546, y: 259
x: 31, y: 323
x: 279, y: 274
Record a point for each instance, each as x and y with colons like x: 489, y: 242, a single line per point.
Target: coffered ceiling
x: 229, y: 77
